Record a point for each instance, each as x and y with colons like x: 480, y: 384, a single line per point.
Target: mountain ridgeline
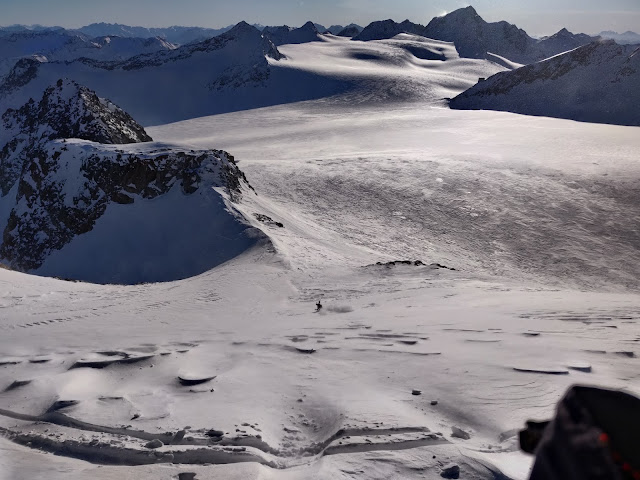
x: 594, y: 83
x: 475, y: 38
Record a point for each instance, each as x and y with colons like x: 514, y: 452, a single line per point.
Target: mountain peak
x: 309, y: 26
x: 69, y: 110
x: 242, y: 27
x: 465, y: 12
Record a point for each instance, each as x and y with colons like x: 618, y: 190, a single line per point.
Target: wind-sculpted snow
x: 594, y: 83
x: 54, y: 190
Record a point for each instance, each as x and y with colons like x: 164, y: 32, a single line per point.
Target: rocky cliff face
x: 595, y: 83
x: 66, y: 159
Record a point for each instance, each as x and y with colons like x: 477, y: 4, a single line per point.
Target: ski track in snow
x: 535, y: 215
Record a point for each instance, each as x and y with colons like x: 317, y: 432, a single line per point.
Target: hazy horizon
x: 544, y: 18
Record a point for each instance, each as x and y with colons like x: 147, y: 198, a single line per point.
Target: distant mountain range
x: 476, y: 38
x: 234, y: 70
x: 60, y: 45
x: 229, y: 72
x: 626, y: 38
x: 175, y: 35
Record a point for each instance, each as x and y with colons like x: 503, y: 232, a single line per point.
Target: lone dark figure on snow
x: 318, y: 306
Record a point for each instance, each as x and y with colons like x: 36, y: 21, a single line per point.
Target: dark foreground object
x: 594, y: 436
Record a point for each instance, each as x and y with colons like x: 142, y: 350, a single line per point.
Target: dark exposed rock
x: 450, y: 471
x: 155, y: 443
x: 593, y: 83
x: 457, y: 432
x: 25, y: 70
x: 267, y: 220
x: 417, y: 263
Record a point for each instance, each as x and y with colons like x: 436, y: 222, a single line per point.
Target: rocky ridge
x: 64, y: 161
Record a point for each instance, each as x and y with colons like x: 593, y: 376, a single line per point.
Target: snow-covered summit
x: 595, y: 83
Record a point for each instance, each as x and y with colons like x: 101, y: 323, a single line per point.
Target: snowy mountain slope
x: 277, y: 412
x: 83, y: 210
x: 231, y: 73
x: 190, y: 80
x: 64, y: 46
x: 395, y: 174
x: 284, y: 35
x: 594, y: 83
x: 536, y: 215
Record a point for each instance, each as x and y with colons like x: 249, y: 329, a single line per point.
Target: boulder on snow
x: 450, y: 471
x: 155, y: 443
x: 457, y: 432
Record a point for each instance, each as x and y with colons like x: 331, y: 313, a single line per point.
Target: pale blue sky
x: 535, y: 16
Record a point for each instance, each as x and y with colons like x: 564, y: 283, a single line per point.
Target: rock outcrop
x: 65, y: 160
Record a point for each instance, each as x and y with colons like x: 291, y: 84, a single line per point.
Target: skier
x: 318, y: 306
